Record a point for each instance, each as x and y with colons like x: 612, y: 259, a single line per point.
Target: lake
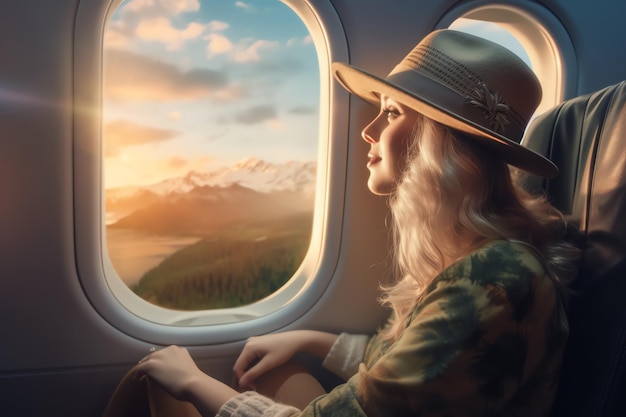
x: 134, y: 253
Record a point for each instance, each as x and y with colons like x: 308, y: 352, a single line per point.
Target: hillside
x: 255, y: 221
x: 230, y: 270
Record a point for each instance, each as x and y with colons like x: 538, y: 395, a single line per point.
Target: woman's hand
x: 175, y: 370
x: 264, y: 353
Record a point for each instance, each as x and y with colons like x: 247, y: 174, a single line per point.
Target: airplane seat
x: 586, y: 138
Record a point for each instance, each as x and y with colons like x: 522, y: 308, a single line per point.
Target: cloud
x: 243, y: 5
x: 300, y: 41
x: 115, y: 39
x: 217, y: 26
x: 139, y: 5
x: 121, y: 133
x: 249, y: 52
x: 151, y: 20
x: 117, y: 34
x: 218, y: 44
x: 256, y: 114
x: 131, y: 76
x: 246, y: 51
x: 160, y: 29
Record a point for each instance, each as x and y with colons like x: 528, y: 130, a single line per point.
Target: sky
x: 197, y: 85
x: 191, y: 85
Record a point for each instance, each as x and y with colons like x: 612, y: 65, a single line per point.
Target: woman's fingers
x: 150, y: 352
x: 263, y: 353
x: 247, y: 378
x: 252, y: 366
x: 247, y: 358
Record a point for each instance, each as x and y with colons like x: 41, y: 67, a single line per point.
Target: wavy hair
x: 453, y: 197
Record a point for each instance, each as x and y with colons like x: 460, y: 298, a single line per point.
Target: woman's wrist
x: 317, y: 343
x: 207, y: 394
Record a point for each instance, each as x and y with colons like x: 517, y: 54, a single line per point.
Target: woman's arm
x: 174, y: 369
x: 208, y: 394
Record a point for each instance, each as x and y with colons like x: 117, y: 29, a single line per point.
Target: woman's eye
x: 391, y: 113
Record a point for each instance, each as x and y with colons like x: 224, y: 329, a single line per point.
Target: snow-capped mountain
x: 253, y: 174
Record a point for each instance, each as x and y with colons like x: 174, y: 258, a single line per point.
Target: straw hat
x: 467, y: 83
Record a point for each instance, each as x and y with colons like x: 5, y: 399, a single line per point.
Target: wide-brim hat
x: 467, y: 83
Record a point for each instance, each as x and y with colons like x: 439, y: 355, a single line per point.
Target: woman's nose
x: 370, y: 132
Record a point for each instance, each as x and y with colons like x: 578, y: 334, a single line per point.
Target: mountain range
x: 204, y: 202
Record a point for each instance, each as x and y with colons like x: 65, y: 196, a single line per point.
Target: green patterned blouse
x: 485, y: 339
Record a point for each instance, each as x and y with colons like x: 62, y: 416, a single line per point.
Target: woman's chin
x: 378, y: 188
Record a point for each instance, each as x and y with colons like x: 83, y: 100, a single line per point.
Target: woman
x: 477, y: 325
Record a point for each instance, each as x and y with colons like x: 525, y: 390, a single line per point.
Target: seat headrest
x: 586, y: 138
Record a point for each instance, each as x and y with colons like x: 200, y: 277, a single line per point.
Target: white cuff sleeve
x: 253, y: 404
x: 346, y: 354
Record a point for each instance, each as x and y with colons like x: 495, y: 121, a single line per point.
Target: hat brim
x: 370, y: 87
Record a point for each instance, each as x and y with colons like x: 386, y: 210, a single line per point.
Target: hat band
x: 459, y: 78
x: 452, y: 102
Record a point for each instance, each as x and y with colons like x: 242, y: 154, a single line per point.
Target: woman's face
x: 388, y: 135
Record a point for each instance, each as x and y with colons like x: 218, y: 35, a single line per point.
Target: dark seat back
x: 586, y: 138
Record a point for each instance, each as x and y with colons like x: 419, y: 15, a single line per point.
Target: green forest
x: 237, y: 267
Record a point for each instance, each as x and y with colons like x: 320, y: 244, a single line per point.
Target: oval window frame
x: 110, y: 297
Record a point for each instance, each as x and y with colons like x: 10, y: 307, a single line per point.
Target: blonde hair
x: 453, y: 197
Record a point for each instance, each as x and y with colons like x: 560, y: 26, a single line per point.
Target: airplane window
x: 210, y: 141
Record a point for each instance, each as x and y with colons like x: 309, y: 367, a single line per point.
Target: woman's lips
x: 373, y: 159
